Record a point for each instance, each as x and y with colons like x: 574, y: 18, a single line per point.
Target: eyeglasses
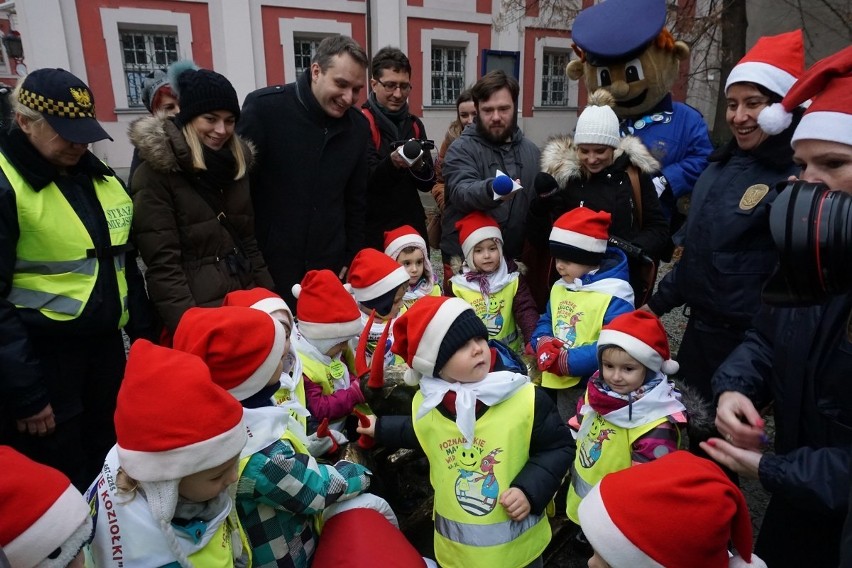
x: 390, y: 86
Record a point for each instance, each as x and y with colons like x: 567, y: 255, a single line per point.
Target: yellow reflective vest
x: 576, y: 318
x: 497, y: 313
x: 471, y: 527
x: 319, y: 373
x: 56, y: 263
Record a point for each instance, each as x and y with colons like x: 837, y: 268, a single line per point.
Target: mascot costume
x: 623, y: 47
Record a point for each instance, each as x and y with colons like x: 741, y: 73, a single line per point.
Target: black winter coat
x: 309, y: 184
x: 729, y: 251
x: 551, y: 450
x: 393, y: 194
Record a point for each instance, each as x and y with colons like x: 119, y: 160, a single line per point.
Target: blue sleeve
x: 696, y: 146
x: 816, y: 478
x: 544, y: 327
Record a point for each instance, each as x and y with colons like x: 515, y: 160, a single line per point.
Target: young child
x: 593, y: 289
x: 161, y: 498
x: 496, y: 445
x: 378, y: 284
x: 281, y: 487
x: 491, y: 283
x: 680, y: 510
x: 407, y: 247
x: 44, y: 521
x: 328, y: 318
x: 291, y: 389
x: 631, y: 412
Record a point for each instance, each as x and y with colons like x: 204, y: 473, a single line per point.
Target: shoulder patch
x: 753, y: 195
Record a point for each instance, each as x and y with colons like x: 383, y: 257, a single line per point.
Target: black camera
x: 812, y: 228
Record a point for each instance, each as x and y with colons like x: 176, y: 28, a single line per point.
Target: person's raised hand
x: 739, y: 422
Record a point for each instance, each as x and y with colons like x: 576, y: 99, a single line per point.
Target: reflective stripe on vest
x: 576, y: 318
x: 497, y: 316
x: 471, y: 527
x: 56, y: 267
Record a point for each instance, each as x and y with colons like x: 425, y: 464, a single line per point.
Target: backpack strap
x: 633, y: 174
x: 374, y: 130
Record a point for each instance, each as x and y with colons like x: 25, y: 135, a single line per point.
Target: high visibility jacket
x: 497, y: 315
x: 471, y: 527
x: 57, y: 264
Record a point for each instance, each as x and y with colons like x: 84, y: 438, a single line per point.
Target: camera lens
x: 812, y: 228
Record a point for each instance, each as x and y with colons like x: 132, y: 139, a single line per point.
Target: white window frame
x: 291, y: 28
x: 146, y: 32
x: 447, y: 38
x: 572, y: 87
x: 115, y: 19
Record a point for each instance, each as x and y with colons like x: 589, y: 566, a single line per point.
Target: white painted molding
x: 448, y: 38
x: 557, y: 44
x: 290, y: 28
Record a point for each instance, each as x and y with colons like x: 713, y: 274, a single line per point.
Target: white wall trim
x: 290, y: 28
x: 312, y: 5
x: 557, y: 44
x: 449, y: 38
x: 111, y: 18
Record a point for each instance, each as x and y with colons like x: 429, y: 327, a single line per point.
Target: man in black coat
x: 309, y: 184
x: 392, y: 189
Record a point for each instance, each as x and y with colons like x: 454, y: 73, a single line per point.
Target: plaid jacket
x: 279, y: 493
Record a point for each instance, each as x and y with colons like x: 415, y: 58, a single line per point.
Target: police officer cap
x: 66, y: 103
x: 618, y: 30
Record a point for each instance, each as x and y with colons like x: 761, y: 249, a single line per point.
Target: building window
x: 304, y: 50
x: 554, y: 85
x: 143, y: 52
x: 447, y: 74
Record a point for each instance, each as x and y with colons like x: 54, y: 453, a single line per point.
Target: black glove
x: 545, y: 185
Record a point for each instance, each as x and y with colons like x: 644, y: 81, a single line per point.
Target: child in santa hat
x: 631, y: 412
x: 406, y: 246
x: 593, y: 289
x: 281, y: 487
x: 44, y: 521
x: 492, y: 284
x: 328, y: 319
x: 161, y: 497
x: 378, y: 284
x: 291, y: 390
x: 496, y: 445
x: 679, y: 511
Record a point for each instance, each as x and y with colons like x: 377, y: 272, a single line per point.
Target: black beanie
x: 203, y: 90
x: 575, y: 254
x: 465, y: 327
x: 383, y: 303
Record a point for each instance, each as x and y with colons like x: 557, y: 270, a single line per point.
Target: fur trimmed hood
x: 162, y: 145
x: 559, y: 157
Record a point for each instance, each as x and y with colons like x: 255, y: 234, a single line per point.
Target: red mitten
x: 547, y: 353
x: 365, y: 441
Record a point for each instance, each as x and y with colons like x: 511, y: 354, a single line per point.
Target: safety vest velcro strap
x: 483, y: 535
x: 46, y: 267
x: 108, y: 251
x: 44, y: 300
x: 581, y: 486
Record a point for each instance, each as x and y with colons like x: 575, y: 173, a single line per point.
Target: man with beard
x: 493, y: 142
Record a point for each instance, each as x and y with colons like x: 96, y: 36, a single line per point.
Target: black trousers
x: 702, y: 350
x: 794, y: 536
x: 83, y: 374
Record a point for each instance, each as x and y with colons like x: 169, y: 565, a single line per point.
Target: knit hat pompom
x: 643, y: 337
x: 598, y: 123
x: 601, y: 98
x: 774, y: 119
x: 200, y: 91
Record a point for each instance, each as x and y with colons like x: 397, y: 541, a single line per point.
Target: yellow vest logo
x: 476, y: 487
x: 592, y: 446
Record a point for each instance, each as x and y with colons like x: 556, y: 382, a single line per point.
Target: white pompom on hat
x: 828, y: 84
x: 598, y: 123
x: 696, y: 511
x: 774, y: 62
x: 325, y: 308
x: 40, y: 513
x: 643, y: 337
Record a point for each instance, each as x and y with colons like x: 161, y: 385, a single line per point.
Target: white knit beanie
x: 597, y: 123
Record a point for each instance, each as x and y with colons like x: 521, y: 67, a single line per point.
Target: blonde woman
x: 194, y: 223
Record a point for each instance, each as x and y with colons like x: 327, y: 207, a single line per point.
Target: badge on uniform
x: 753, y: 195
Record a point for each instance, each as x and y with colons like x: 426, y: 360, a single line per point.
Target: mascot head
x: 624, y: 48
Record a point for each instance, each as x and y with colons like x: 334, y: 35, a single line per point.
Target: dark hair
x: 389, y: 58
x: 333, y: 46
x: 772, y: 95
x: 409, y: 250
x: 492, y: 82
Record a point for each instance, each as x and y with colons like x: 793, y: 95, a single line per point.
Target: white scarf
x: 291, y: 376
x: 493, y: 389
x: 267, y: 425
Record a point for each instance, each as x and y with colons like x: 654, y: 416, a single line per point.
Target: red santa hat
x: 474, y: 228
x: 431, y: 331
x: 325, y: 308
x: 402, y: 237
x: 642, y: 336
x: 44, y: 521
x: 688, y: 512
x: 263, y: 300
x: 241, y: 346
x: 580, y: 235
x: 171, y: 421
x: 828, y: 83
x: 373, y: 274
x: 774, y: 62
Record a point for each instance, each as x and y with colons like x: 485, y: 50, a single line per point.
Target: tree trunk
x: 734, y: 27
